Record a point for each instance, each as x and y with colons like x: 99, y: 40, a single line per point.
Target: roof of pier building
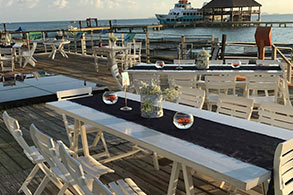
x: 231, y: 4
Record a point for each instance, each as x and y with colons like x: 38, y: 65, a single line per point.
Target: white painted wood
x: 242, y: 62
x: 191, y: 97
x: 135, y: 54
x: 28, y: 56
x: 79, y: 176
x: 215, y: 62
x: 184, y: 62
x: 30, y: 151
x: 240, y: 174
x: 267, y: 62
x: 283, y: 168
x: 187, y: 80
x: 259, y: 87
x: 216, y: 85
x: 6, y: 55
x: 276, y: 115
x: 73, y: 130
x: 239, y: 107
x: 57, y: 172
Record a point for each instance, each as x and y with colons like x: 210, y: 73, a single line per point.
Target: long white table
x: 186, y: 156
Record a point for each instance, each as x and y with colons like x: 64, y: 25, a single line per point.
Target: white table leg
x: 189, y: 188
x: 84, y: 141
x: 74, y: 142
x: 174, y: 178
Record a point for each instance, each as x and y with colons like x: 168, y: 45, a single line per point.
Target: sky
x: 58, y: 10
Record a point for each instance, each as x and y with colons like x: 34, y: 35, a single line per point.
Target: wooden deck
x: 14, y: 166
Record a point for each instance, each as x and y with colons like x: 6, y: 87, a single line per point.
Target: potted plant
x: 151, y: 100
x: 203, y: 60
x: 171, y: 94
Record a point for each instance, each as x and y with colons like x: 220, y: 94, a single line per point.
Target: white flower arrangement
x: 203, y: 59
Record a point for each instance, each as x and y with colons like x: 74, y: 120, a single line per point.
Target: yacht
x: 181, y: 13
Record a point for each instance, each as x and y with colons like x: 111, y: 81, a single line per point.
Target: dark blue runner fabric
x: 238, y: 143
x: 213, y: 68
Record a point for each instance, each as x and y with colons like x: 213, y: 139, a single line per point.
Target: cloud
x: 99, y: 4
x: 60, y: 3
x: 27, y: 3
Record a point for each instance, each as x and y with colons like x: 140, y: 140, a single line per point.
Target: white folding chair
x: 283, y: 168
x: 28, y: 56
x: 30, y: 151
x: 49, y: 149
x: 71, y: 128
x: 187, y: 80
x: 276, y: 115
x: 262, y: 88
x: 191, y: 97
x: 215, y: 85
x: 94, y: 185
x: 7, y: 57
x: 239, y: 107
x: 146, y: 78
x: 135, y: 55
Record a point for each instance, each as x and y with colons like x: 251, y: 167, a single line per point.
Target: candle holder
x: 183, y: 120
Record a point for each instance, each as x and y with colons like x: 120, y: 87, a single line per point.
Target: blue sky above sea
x: 60, y: 10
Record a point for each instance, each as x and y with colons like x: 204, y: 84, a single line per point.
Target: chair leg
x: 42, y: 185
x: 99, y: 136
x: 24, y: 187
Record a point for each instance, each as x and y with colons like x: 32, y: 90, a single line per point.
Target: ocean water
x: 242, y: 34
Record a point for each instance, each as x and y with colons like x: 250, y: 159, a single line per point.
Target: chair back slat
x: 239, y: 107
x: 45, y: 145
x: 220, y: 84
x: 74, y: 93
x: 283, y: 168
x: 191, y: 97
x: 77, y: 173
x: 14, y: 129
x: 276, y: 115
x: 187, y: 80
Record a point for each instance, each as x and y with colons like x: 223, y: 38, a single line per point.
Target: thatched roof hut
x: 235, y: 10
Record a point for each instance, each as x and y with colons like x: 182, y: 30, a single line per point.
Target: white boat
x: 181, y: 13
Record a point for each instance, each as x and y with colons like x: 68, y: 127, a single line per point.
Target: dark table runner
x: 238, y: 143
x: 212, y: 68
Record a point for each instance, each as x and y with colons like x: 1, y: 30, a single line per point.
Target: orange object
x: 263, y: 38
x: 184, y: 121
x: 240, y: 78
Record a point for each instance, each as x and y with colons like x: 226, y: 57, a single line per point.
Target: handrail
x: 289, y: 64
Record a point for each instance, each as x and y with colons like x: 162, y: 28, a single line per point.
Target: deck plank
x: 138, y: 167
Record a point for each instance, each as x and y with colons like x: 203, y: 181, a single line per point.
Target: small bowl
x: 110, y: 97
x: 183, y: 120
x: 160, y: 64
x: 236, y: 64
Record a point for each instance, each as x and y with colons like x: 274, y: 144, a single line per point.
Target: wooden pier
x: 282, y: 24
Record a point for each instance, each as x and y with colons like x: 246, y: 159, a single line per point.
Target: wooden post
x: 83, y: 44
x: 27, y: 40
x: 183, y: 47
x: 274, y: 52
x: 44, y: 38
x: 80, y: 24
x: 111, y: 25
x: 147, y: 47
x: 92, y: 40
x: 4, y: 26
x: 224, y: 39
x: 258, y: 14
x: 96, y: 20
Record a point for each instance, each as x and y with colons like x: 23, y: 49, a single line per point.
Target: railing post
x: 274, y: 52
x: 224, y: 39
x: 147, y: 47
x: 183, y: 47
x: 92, y: 40
x: 44, y: 38
x: 27, y: 40
x: 83, y: 44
